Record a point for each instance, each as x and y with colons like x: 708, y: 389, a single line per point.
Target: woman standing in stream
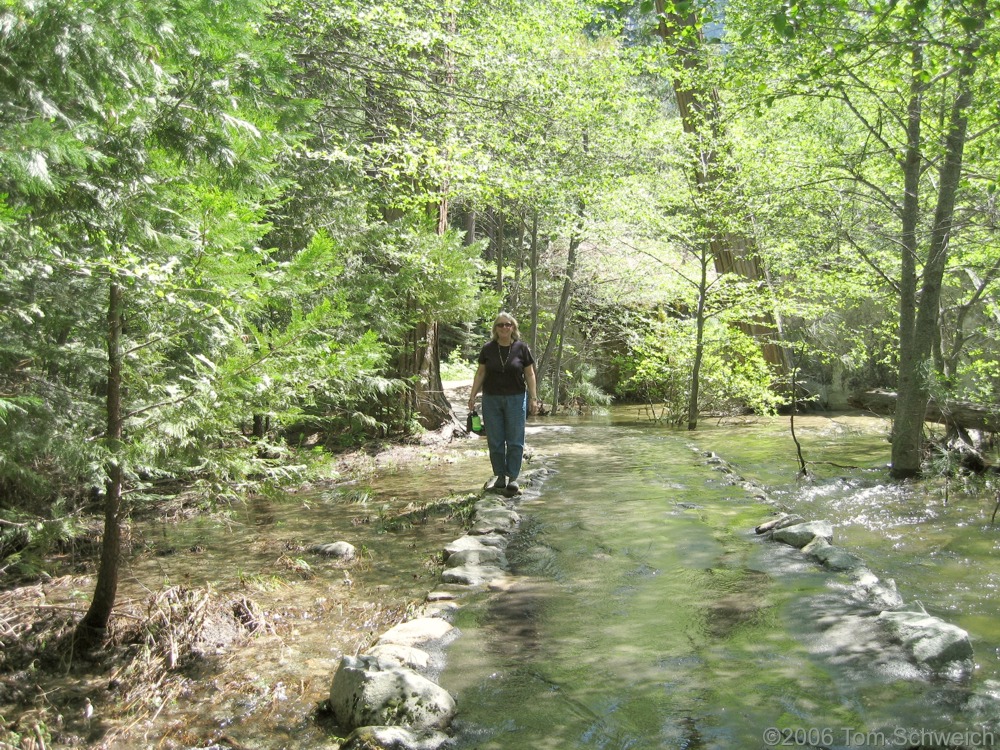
x: 506, y: 376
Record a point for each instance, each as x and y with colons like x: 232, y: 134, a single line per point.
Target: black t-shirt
x: 505, y: 367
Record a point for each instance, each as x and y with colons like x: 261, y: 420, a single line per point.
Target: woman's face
x: 503, y: 327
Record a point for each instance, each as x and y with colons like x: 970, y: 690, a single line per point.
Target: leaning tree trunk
x: 94, y: 624
x: 909, y: 416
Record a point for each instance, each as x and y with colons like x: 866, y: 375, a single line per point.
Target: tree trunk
x: 421, y: 360
x: 431, y: 406
x: 518, y: 258
x: 557, y: 375
x: 699, y: 346
x: 562, y: 311
x: 94, y: 624
x: 909, y: 419
x: 699, y: 111
x: 496, y: 244
x: 469, y: 225
x: 533, y: 336
x: 907, y: 435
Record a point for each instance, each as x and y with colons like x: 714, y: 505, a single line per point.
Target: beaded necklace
x: 503, y: 360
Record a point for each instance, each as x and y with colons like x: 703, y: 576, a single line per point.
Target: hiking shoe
x: 511, y: 489
x: 499, y: 486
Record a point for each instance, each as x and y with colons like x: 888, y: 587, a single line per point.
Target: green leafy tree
x: 910, y: 86
x: 148, y: 135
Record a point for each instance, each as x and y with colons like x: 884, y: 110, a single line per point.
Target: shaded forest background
x: 235, y: 236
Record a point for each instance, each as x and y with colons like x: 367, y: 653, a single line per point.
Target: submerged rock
x: 984, y: 705
x: 878, y: 595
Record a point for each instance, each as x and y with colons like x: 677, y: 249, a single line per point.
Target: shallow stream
x: 643, y: 611
x: 648, y: 614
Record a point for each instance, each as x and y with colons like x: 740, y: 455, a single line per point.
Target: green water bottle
x: 477, y: 422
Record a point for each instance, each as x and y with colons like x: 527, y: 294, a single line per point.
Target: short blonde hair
x: 504, y: 317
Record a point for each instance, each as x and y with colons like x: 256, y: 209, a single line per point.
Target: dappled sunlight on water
x: 665, y: 622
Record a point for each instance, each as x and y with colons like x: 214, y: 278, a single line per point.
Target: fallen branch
x: 952, y: 413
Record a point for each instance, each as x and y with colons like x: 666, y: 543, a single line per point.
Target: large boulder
x: 930, y: 640
x: 368, y: 691
x: 405, y: 656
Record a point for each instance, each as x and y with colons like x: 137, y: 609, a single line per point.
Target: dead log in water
x: 962, y: 414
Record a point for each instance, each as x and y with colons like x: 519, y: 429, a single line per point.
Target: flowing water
x: 642, y: 611
x: 647, y: 614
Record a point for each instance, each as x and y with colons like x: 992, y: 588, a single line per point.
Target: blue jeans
x: 504, y: 417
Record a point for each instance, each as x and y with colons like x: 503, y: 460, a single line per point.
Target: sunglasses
x: 505, y: 325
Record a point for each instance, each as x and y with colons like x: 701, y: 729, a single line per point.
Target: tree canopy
x: 236, y: 234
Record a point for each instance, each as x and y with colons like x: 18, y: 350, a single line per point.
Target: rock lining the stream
x: 938, y: 648
x: 387, y: 698
x: 801, y: 535
x: 931, y: 640
x: 369, y: 691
